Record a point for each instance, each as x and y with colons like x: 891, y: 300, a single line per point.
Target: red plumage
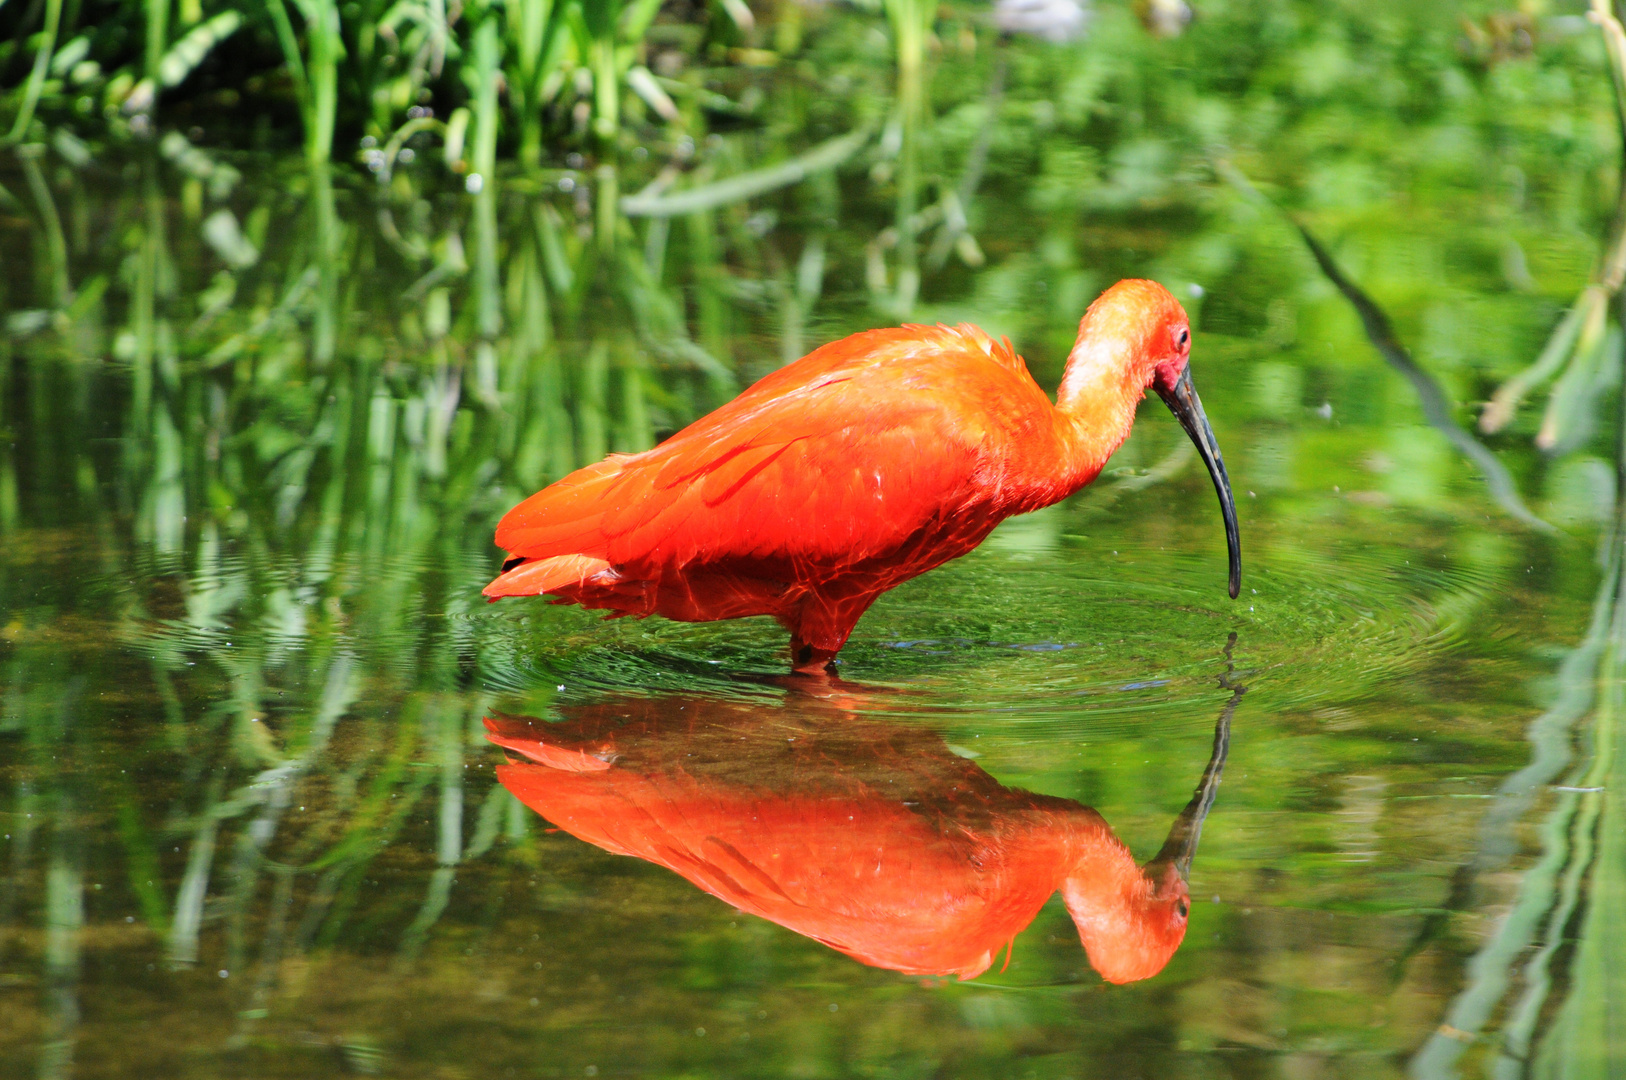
x: 843, y: 474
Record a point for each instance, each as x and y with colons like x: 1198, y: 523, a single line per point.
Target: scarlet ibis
x: 865, y: 463
x: 869, y: 836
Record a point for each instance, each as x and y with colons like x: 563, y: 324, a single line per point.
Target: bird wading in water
x: 865, y: 463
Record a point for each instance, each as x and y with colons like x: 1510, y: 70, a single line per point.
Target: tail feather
x: 537, y: 576
x: 523, y: 737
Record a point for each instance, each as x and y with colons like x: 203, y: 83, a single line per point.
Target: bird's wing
x: 841, y: 455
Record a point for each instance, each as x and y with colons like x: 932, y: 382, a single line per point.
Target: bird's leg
x: 820, y: 627
x: 807, y: 659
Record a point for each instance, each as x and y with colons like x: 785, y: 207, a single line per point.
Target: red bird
x: 867, y: 835
x: 852, y: 470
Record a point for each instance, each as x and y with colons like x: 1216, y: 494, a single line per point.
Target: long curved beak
x: 1187, y: 407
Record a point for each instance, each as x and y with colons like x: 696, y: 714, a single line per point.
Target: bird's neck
x: 1111, y: 902
x: 1095, y: 404
x: 1093, y: 853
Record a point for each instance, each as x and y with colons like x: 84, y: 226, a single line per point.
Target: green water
x: 260, y: 416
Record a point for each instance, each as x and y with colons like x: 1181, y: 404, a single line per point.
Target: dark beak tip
x: 1235, y: 588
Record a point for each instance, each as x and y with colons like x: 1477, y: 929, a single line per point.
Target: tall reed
x: 1576, y: 349
x: 157, y: 12
x: 535, y: 44
x: 911, y: 22
x: 36, y: 75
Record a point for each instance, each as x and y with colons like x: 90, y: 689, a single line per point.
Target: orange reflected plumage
x: 867, y: 835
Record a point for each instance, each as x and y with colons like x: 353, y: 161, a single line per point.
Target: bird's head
x: 1144, y: 329
x: 1139, y: 326
x: 1129, y: 933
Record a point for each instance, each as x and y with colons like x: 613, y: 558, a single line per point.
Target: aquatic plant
x: 1584, y: 351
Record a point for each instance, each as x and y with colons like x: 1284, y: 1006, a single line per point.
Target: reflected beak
x: 1187, y: 407
x: 1180, y: 848
x: 1184, y: 836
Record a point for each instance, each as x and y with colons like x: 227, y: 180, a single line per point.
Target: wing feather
x: 837, y: 456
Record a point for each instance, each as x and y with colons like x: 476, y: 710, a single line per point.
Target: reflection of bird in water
x: 852, y: 470
x: 867, y: 835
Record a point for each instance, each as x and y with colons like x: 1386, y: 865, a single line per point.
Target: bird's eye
x: 1181, y: 908
x: 1182, y: 338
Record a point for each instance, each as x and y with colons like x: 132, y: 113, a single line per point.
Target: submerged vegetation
x: 301, y: 295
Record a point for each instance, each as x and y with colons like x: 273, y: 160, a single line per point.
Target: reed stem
x: 483, y: 179
x: 36, y: 76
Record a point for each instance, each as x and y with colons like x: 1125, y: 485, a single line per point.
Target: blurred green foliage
x: 300, y: 297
